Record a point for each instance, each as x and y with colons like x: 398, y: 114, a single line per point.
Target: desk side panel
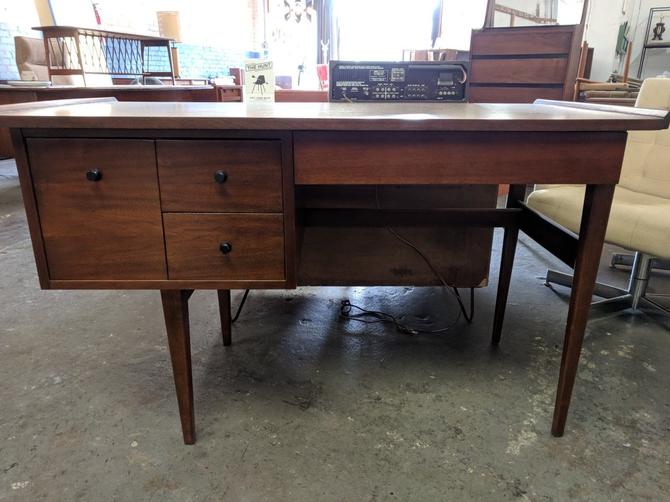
x: 98, y: 228
x: 8, y: 97
x: 30, y: 204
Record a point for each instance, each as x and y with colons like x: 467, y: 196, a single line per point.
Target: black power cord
x: 355, y: 313
x: 468, y: 316
x: 241, y: 305
x: 347, y: 309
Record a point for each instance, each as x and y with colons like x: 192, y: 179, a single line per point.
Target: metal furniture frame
x: 72, y: 50
x: 616, y: 299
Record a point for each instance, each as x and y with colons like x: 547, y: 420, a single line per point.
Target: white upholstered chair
x: 640, y: 216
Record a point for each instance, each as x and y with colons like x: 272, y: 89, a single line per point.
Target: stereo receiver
x: 398, y: 81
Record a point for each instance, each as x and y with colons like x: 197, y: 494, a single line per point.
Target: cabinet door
x: 99, y: 208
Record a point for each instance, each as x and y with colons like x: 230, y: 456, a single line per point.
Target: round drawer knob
x: 94, y: 175
x: 220, y: 177
x: 225, y: 247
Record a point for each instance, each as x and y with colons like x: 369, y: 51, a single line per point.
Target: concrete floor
x: 306, y: 406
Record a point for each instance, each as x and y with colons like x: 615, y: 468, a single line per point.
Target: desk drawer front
x: 225, y: 246
x: 99, y: 208
x: 220, y: 175
x: 424, y: 158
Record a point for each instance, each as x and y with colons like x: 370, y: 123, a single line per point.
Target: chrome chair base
x: 626, y: 260
x: 617, y: 299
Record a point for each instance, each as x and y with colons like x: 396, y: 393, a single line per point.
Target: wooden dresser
x: 522, y: 64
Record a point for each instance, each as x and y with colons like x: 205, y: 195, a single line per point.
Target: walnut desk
x: 183, y: 196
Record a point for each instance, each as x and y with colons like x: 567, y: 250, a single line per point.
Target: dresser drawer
x: 220, y: 175
x: 236, y: 247
x: 99, y: 208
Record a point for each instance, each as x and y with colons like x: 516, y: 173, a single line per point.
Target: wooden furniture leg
x: 175, y: 310
x: 226, y: 319
x: 516, y: 193
x: 597, y: 203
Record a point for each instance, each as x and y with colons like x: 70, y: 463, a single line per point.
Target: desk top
x: 107, y: 113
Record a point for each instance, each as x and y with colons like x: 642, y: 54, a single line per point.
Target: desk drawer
x: 99, y: 208
x: 196, y: 246
x: 249, y: 175
x: 454, y: 157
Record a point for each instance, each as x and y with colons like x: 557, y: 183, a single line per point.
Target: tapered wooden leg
x: 597, y: 203
x: 226, y: 321
x: 175, y: 310
x: 516, y: 193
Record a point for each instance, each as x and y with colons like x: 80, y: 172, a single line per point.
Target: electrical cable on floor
x: 374, y: 316
x: 468, y: 316
x: 241, y: 305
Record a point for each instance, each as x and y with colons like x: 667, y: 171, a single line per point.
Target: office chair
x: 640, y: 216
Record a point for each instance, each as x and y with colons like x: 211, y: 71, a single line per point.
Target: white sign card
x: 259, y: 81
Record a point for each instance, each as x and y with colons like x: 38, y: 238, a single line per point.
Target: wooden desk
x: 230, y: 214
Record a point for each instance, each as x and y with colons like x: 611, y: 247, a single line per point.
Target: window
x: 381, y: 29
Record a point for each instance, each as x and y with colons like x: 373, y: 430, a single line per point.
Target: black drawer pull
x: 220, y: 177
x: 225, y: 247
x: 94, y: 175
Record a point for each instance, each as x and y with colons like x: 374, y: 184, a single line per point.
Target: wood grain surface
x: 521, y: 41
x: 253, y: 175
x: 192, y: 242
x: 97, y: 230
x: 175, y: 311
x: 373, y: 158
x: 332, y: 116
x: 30, y: 203
x: 519, y: 71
